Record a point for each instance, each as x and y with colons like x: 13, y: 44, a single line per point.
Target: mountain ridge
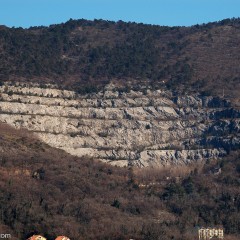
x: 85, y: 55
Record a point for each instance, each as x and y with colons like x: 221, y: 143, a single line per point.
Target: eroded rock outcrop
x: 140, y: 128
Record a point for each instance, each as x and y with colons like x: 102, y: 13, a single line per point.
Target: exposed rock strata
x: 141, y: 128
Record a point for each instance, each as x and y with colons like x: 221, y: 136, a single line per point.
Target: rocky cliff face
x: 140, y: 128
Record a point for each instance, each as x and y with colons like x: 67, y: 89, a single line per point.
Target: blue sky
x: 27, y: 13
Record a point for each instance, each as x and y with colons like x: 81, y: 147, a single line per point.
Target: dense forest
x: 84, y: 55
x: 47, y: 191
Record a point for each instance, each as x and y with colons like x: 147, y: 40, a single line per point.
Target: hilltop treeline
x: 47, y: 191
x: 81, y: 53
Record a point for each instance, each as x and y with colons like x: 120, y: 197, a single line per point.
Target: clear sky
x: 25, y: 13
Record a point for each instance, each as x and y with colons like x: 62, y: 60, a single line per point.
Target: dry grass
x: 158, y: 174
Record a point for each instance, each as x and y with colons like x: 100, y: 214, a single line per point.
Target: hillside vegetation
x: 46, y: 191
x: 85, y: 55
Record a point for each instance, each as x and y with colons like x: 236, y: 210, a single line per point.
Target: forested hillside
x: 85, y: 54
x: 46, y: 191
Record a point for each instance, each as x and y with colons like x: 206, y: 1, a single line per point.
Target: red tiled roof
x: 37, y: 237
x: 62, y: 238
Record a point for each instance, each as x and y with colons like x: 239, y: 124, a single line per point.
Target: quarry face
x: 135, y: 128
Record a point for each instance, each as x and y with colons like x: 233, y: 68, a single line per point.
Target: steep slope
x: 137, y: 128
x: 87, y: 54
